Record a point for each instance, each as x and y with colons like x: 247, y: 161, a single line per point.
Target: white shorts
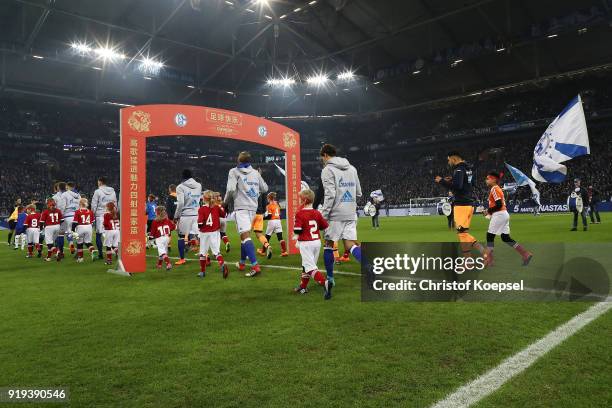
x: 33, y: 235
x: 85, y: 232
x: 188, y: 225
x: 66, y: 224
x: 51, y: 234
x: 162, y: 245
x: 338, y: 230
x: 111, y: 238
x: 210, y: 240
x: 274, y: 227
x: 244, y: 220
x: 499, y: 223
x: 100, y: 224
x: 310, y: 254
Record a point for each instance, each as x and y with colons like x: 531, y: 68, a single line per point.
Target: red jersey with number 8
x: 308, y: 223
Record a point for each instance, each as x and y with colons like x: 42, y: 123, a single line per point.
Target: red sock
x: 318, y: 276
x: 109, y: 255
x: 208, y: 260
x: 79, y: 253
x: 304, y: 281
x: 159, y: 261
x: 225, y: 239
x: 38, y: 247
x: 346, y: 253
x: 53, y: 250
x: 283, y: 245
x: 166, y: 259
x: 30, y: 248
x: 202, y: 264
x: 220, y: 259
x: 193, y: 242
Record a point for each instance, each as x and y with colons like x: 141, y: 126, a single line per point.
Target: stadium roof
x: 223, y: 52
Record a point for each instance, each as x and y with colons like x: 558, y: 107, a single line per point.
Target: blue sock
x: 249, y: 249
x: 60, y: 243
x: 242, y: 254
x: 99, y: 244
x: 356, y: 252
x: 328, y: 258
x: 181, y: 247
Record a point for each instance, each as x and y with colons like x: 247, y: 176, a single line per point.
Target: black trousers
x: 594, y: 213
x: 584, y: 219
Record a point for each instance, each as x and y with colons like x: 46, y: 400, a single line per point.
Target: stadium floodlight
x: 312, y: 3
x: 107, y: 53
x: 284, y: 82
x: 297, y: 10
x: 81, y: 47
x: 317, y: 80
x: 417, y: 72
x: 149, y: 65
x: 346, y: 76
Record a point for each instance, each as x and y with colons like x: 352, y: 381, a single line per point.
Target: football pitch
x: 170, y: 339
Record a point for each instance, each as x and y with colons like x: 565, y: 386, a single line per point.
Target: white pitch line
x: 492, y: 380
x: 272, y: 266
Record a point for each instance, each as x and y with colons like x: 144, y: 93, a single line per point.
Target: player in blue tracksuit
x: 20, y: 229
x: 150, y: 209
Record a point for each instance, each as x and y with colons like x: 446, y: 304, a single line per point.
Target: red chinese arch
x: 138, y: 123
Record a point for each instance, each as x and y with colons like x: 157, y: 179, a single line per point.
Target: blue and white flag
x: 522, y: 180
x: 377, y: 195
x: 565, y: 138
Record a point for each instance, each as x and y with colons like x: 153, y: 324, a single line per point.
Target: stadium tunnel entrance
x: 138, y: 123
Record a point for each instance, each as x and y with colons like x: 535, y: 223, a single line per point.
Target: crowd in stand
x: 43, y: 143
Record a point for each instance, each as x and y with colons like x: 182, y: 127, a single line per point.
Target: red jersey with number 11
x: 51, y: 217
x: 308, y: 222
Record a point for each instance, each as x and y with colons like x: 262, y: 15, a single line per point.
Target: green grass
x: 169, y: 339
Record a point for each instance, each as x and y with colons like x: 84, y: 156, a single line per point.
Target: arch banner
x: 138, y: 123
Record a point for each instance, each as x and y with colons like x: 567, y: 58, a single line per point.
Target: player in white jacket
x: 244, y: 186
x: 341, y: 188
x: 188, y: 195
x: 102, y: 196
x: 68, y: 204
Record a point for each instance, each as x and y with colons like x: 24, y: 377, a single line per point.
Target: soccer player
x: 594, y: 199
x: 223, y: 221
x: 151, y: 215
x: 499, y: 223
x: 582, y: 193
x: 50, y: 220
x: 308, y: 223
x: 244, y: 185
x: 160, y: 230
x: 20, y: 229
x: 32, y: 224
x: 341, y: 189
x: 68, y: 204
x: 275, y: 226
x: 460, y: 184
x: 82, y: 225
x: 12, y: 221
x: 101, y: 197
x: 111, y: 231
x: 188, y: 195
x: 209, y: 223
x: 257, y: 227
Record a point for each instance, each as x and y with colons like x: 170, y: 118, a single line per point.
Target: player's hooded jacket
x: 342, y: 188
x: 188, y: 195
x: 102, y: 196
x: 244, y: 185
x: 68, y: 203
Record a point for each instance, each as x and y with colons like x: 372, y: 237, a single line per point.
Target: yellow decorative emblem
x: 140, y: 121
x: 134, y: 247
x: 289, y: 140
